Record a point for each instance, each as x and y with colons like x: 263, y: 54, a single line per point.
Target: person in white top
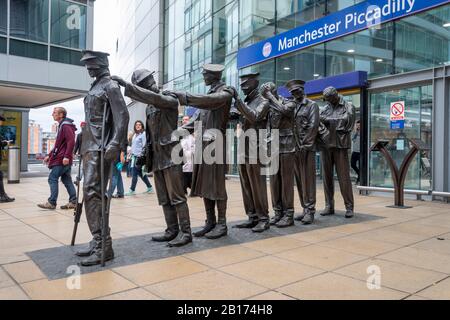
x: 188, y: 145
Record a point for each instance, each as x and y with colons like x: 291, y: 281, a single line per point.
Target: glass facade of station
x: 52, y: 30
x: 204, y: 31
x: 212, y: 31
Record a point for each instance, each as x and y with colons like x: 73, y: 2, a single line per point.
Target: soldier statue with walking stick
x: 105, y: 135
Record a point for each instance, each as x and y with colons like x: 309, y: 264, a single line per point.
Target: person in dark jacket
x: 3, y: 143
x: 59, y: 161
x: 77, y: 148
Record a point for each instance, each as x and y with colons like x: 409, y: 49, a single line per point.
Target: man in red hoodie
x: 60, y: 161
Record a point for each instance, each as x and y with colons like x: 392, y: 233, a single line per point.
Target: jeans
x: 355, y: 162
x: 116, y: 181
x: 137, y: 172
x: 62, y: 172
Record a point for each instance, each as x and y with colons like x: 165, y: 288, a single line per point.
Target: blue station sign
x: 359, y: 17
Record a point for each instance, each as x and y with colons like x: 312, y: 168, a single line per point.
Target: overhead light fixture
x: 287, y: 68
x: 351, y: 50
x: 316, y: 75
x: 446, y: 25
x: 379, y: 60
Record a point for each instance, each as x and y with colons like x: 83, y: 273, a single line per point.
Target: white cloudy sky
x: 104, y: 40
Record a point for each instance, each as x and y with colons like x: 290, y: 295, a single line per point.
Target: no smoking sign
x: 398, y: 111
x: 397, y: 114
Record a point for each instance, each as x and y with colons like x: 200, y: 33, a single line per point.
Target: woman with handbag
x: 138, y: 143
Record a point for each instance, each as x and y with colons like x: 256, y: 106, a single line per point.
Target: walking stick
x: 103, y: 187
x: 79, y: 208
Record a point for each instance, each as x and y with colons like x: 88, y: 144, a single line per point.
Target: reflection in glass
x: 423, y: 40
x: 368, y: 50
x: 3, y: 18
x: 295, y: 13
x: 29, y: 19
x: 257, y: 20
x: 28, y: 49
x: 306, y: 64
x: 2, y: 45
x: 65, y: 56
x: 68, y: 27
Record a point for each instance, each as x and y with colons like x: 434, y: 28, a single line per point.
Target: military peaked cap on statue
x: 140, y: 75
x: 295, y: 84
x: 95, y: 59
x: 213, y: 68
x: 246, y: 77
x: 250, y: 75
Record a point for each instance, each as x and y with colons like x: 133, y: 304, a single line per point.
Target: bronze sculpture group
x: 301, y: 127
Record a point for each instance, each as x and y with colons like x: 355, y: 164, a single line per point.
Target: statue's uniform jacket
x: 253, y: 182
x: 339, y: 120
x: 162, y: 124
x: 208, y: 180
x: 104, y: 93
x: 306, y: 126
x: 281, y: 117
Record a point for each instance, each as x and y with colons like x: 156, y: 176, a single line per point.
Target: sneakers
x: 47, y: 206
x: 69, y: 206
x: 149, y: 190
x: 130, y: 193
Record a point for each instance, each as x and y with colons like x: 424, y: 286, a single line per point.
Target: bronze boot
x: 170, y: 214
x: 184, y: 236
x: 287, y: 220
x: 250, y: 223
x: 87, y: 251
x: 96, y: 257
x: 300, y: 216
x: 221, y: 229
x: 328, y: 211
x: 210, y: 222
x: 308, y: 218
x: 276, y: 218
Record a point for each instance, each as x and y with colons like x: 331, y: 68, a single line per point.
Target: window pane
x: 65, y: 56
x: 2, y: 45
x: 257, y: 20
x: 295, y: 13
x: 308, y: 64
x: 423, y: 41
x: 3, y: 17
x: 68, y: 24
x: 369, y: 50
x: 29, y: 19
x: 27, y: 49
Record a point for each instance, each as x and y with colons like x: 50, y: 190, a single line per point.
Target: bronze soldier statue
x: 281, y: 117
x: 208, y: 180
x: 162, y: 123
x: 339, y: 118
x: 253, y: 182
x: 105, y: 134
x: 306, y: 126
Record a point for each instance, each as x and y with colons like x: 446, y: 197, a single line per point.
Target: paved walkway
x: 408, y: 249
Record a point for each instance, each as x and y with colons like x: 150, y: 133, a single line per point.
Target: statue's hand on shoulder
x: 119, y: 80
x: 231, y: 90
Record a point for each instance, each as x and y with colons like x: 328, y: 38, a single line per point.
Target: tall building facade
x: 40, y: 50
x: 403, y: 57
x: 34, y: 138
